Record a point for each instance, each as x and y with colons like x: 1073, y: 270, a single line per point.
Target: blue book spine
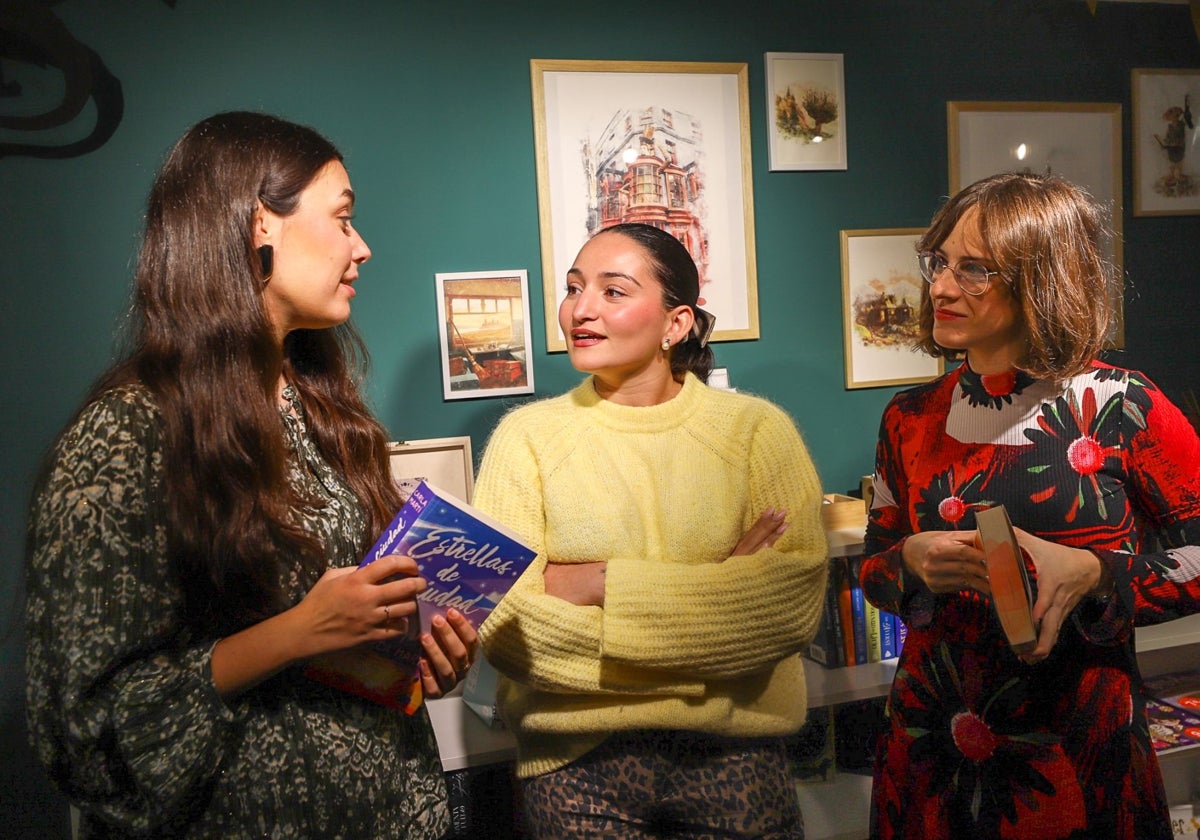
x: 901, y: 634
x: 858, y: 615
x: 887, y: 635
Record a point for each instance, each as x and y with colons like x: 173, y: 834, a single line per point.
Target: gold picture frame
x: 881, y: 302
x: 666, y: 143
x: 1080, y: 141
x: 1166, y: 180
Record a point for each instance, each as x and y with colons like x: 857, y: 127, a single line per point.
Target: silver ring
x: 387, y: 615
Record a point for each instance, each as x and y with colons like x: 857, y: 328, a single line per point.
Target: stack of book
x: 1173, y: 707
x: 853, y: 631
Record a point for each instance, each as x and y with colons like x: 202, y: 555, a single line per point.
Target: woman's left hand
x: 449, y: 650
x: 1065, y: 576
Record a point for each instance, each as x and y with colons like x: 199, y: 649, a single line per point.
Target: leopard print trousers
x: 668, y: 784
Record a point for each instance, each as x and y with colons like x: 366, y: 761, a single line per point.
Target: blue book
x: 887, y: 635
x: 469, y: 561
x: 858, y: 613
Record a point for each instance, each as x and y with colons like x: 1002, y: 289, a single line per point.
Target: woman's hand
x: 763, y: 533
x: 345, y: 608
x: 352, y: 605
x: 947, y: 561
x: 1065, y: 576
x: 450, y: 648
x: 580, y: 583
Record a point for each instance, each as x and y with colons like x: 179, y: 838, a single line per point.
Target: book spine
x: 874, y: 619
x: 858, y: 614
x: 846, y: 608
x: 901, y: 634
x: 887, y: 635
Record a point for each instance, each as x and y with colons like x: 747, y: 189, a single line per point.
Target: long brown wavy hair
x: 1047, y: 237
x: 201, y: 342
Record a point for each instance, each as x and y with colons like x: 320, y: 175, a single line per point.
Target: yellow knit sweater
x: 689, y: 637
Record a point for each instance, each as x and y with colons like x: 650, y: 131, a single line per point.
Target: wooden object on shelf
x: 838, y: 511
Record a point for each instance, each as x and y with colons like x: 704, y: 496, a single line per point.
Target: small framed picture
x: 881, y: 302
x: 1166, y: 146
x: 443, y: 462
x: 806, y: 111
x: 483, y: 321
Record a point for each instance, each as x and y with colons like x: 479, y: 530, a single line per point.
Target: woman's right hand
x: 352, y: 605
x: 763, y: 533
x: 947, y: 561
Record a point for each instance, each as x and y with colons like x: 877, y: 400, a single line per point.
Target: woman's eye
x: 614, y: 293
x: 572, y: 290
x: 974, y: 270
x: 345, y: 220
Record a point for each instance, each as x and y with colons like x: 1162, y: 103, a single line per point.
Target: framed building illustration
x: 663, y: 143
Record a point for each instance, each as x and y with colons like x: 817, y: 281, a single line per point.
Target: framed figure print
x: 1081, y: 141
x: 1166, y: 146
x: 483, y: 321
x: 881, y: 301
x: 806, y: 111
x: 663, y: 143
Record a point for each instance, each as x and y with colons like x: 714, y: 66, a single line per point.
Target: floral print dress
x: 122, y: 709
x: 979, y: 744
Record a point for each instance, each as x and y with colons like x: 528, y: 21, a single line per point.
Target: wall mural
x: 47, y: 78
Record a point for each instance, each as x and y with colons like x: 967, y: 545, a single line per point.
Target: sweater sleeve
x: 724, y: 620
x: 1163, y: 468
x: 122, y: 713
x: 535, y: 638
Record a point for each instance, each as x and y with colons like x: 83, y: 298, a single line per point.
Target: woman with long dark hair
x: 195, y: 533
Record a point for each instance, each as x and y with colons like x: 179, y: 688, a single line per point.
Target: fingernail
x: 438, y: 621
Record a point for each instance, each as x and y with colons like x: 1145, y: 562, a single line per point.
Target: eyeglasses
x: 972, y: 277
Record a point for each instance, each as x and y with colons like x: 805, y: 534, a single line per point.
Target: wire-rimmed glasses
x: 971, y: 276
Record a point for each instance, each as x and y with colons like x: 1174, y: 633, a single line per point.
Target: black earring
x: 266, y: 256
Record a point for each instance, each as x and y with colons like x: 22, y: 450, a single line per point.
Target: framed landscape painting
x: 806, y: 111
x: 662, y: 143
x: 483, y: 322
x: 881, y: 300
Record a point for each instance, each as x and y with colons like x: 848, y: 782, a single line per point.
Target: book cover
x: 1180, y: 689
x: 901, y: 633
x: 1012, y: 594
x: 858, y: 612
x: 1171, y: 727
x: 469, y: 561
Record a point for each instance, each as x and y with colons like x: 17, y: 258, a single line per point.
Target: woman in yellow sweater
x: 650, y: 655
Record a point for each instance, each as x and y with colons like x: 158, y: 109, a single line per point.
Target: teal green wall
x: 430, y: 101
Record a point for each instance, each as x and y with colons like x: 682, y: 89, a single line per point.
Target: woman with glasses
x: 1086, y: 457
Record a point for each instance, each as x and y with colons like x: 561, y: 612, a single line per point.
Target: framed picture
x: 881, y: 301
x: 806, y: 111
x: 483, y: 320
x: 1080, y: 141
x: 1166, y: 151
x: 444, y: 462
x: 664, y: 143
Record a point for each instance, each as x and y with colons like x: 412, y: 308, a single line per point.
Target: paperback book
x: 469, y: 561
x: 1012, y: 594
x: 1171, y: 727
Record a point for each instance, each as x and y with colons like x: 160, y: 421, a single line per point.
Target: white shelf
x: 831, y: 686
x: 1181, y: 631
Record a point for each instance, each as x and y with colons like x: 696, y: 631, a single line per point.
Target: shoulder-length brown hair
x: 202, y: 343
x: 1047, y: 238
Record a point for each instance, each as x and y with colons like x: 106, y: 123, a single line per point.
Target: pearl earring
x: 666, y: 345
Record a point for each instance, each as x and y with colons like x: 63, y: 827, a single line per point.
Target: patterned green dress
x: 122, y: 709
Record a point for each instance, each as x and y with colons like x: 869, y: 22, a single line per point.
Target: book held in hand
x: 469, y: 561
x: 1012, y: 594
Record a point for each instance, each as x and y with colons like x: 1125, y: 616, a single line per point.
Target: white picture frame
x: 483, y: 325
x: 806, y: 111
x: 444, y: 462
